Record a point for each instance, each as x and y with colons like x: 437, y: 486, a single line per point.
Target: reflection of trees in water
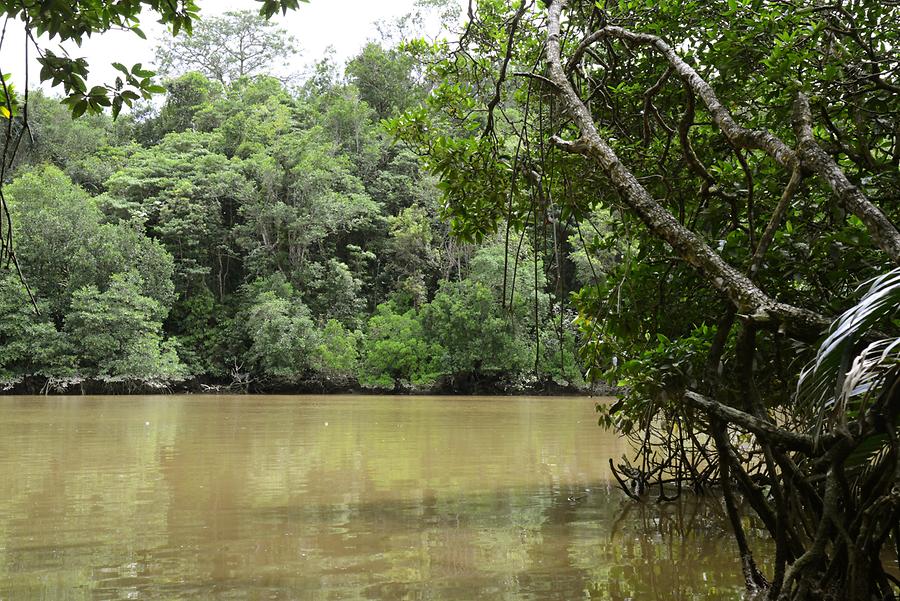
x: 557, y: 543
x: 204, y: 500
x: 671, y: 551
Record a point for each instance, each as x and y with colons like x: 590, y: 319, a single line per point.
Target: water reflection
x: 335, y: 498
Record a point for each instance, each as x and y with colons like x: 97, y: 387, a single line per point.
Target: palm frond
x: 839, y: 383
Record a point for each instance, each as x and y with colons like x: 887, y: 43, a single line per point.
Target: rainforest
x: 690, y: 207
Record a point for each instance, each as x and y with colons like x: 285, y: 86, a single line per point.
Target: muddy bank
x: 446, y: 386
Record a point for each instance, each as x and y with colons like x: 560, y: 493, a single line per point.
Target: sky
x: 345, y: 25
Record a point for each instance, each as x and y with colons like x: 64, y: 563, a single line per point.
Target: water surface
x: 336, y: 497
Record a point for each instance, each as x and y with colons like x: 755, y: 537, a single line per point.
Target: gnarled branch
x: 810, y: 155
x: 747, y: 298
x: 817, y: 160
x: 761, y: 428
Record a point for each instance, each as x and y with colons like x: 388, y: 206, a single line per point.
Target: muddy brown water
x: 336, y: 497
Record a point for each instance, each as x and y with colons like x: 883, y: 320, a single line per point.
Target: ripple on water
x: 189, y: 497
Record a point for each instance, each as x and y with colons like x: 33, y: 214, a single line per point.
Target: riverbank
x: 41, y: 385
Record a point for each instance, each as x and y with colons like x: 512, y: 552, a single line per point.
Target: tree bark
x: 809, y: 155
x: 883, y: 232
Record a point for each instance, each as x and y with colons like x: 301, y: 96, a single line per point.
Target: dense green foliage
x: 248, y: 233
x: 726, y: 175
x: 72, y: 21
x: 710, y: 183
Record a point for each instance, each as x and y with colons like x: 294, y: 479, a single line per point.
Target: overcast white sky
x: 344, y: 24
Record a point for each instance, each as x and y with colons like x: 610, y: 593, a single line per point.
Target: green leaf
x: 79, y: 109
x: 116, y: 106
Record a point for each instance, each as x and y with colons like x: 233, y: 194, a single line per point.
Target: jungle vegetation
x: 713, y: 186
x: 731, y: 168
x: 251, y: 233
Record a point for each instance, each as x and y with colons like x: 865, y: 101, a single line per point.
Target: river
x: 336, y: 497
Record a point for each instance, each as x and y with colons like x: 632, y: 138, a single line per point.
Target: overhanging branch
x: 748, y: 139
x: 761, y: 428
x: 883, y: 232
x: 809, y: 155
x: 747, y: 298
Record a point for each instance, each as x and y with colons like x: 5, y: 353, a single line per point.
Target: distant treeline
x: 258, y: 236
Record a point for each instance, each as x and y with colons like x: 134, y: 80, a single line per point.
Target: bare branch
x: 495, y: 100
x: 812, y: 156
x: 761, y: 428
x: 769, y: 233
x: 648, y: 101
x: 536, y: 76
x: 739, y: 136
x: 684, y: 126
x: 880, y: 227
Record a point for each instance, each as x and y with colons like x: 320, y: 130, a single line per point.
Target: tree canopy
x: 72, y: 21
x: 248, y: 234
x: 235, y: 45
